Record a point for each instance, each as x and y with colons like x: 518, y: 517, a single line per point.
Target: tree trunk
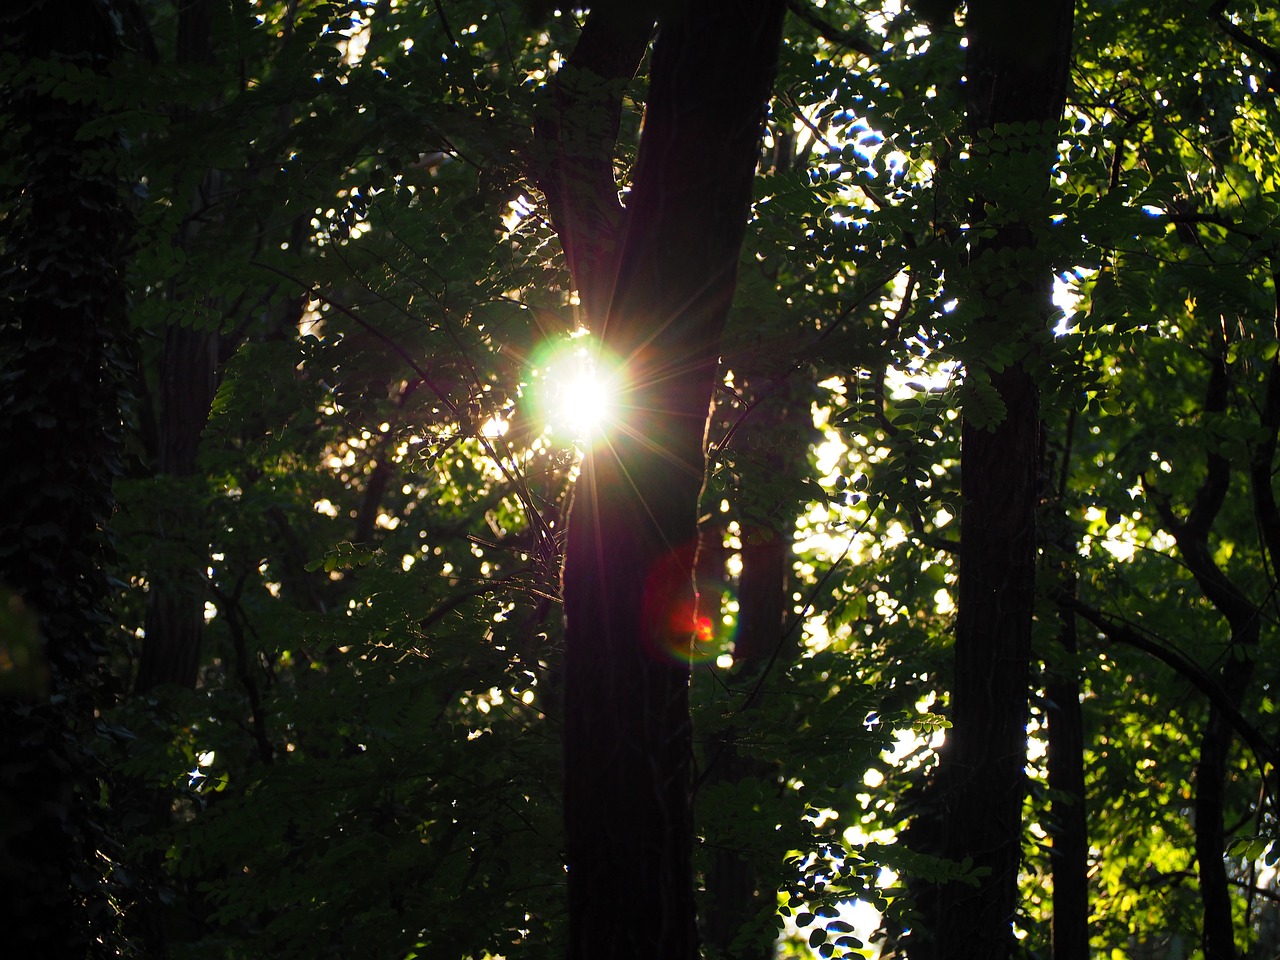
x: 63, y: 230
x: 174, y: 627
x: 175, y: 600
x: 1016, y: 71
x: 1218, y: 934
x: 1243, y: 618
x: 735, y: 899
x: 632, y: 537
x: 1069, y: 856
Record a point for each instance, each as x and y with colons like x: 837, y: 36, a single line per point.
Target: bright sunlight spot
x: 581, y: 403
x: 574, y: 388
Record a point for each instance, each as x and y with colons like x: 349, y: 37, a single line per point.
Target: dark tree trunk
x: 174, y: 626
x: 1218, y: 935
x: 738, y: 918
x: 735, y: 900
x: 63, y: 233
x: 1216, y: 741
x: 175, y: 601
x: 1243, y: 618
x: 1016, y: 72
x: 1069, y: 856
x: 1067, y: 822
x: 983, y: 779
x: 632, y: 537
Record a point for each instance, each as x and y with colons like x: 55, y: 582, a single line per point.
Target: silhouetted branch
x: 830, y: 32
x: 1245, y: 39
x: 1119, y: 631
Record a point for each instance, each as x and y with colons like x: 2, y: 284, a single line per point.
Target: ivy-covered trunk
x: 669, y: 267
x: 63, y: 228
x: 1016, y: 69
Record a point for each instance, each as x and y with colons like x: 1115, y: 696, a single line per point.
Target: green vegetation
x: 292, y: 299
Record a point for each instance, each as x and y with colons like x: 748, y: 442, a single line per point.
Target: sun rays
x: 575, y: 389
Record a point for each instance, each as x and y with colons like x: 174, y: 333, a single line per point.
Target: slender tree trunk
x: 1068, y: 826
x: 632, y: 537
x: 174, y: 626
x: 175, y: 601
x: 1069, y: 855
x: 1218, y: 934
x: 1243, y: 618
x: 735, y: 901
x: 734, y: 895
x: 1016, y: 73
x: 63, y: 233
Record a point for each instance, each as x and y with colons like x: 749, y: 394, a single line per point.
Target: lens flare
x: 574, y: 388
x: 582, y: 403
x: 692, y: 637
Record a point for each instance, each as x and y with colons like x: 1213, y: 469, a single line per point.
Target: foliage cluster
x: 333, y: 204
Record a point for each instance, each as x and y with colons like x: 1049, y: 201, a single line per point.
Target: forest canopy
x: 374, y: 581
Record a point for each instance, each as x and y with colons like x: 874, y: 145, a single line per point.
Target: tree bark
x: 1243, y: 619
x: 64, y: 230
x: 1016, y: 69
x: 632, y: 536
x: 736, y: 899
x: 1069, y: 855
x: 174, y: 626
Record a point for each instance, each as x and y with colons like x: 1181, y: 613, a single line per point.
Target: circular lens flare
x: 694, y: 638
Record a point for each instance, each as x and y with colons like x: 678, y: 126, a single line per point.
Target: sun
x: 575, y: 388
x: 582, y: 405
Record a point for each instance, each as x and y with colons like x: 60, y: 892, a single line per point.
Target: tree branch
x: 1192, y: 533
x: 1246, y: 40
x: 1118, y: 631
x: 828, y: 31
